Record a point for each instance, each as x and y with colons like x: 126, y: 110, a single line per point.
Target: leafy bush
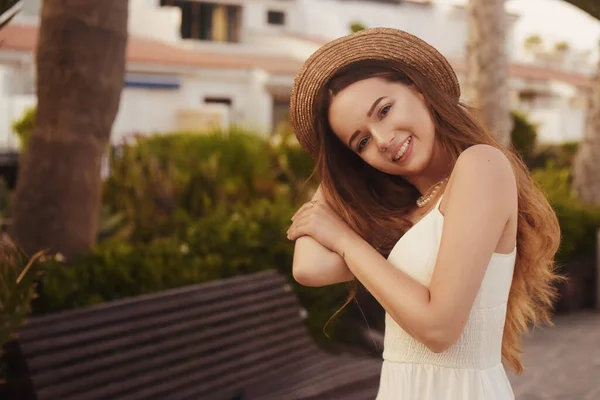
x: 24, y: 127
x: 220, y: 245
x: 18, y: 274
x: 524, y: 136
x: 4, y: 197
x: 187, y: 208
x: 356, y: 27
x: 556, y: 155
x: 160, y: 181
x: 579, y: 223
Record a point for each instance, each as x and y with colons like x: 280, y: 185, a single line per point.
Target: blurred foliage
x: 562, y: 46
x: 5, y: 196
x: 579, y: 223
x: 551, y: 168
x: 24, y: 127
x: 557, y: 155
x: 357, y: 26
x: 160, y: 182
x: 18, y: 275
x: 533, y: 41
x: 189, y: 208
x: 524, y: 136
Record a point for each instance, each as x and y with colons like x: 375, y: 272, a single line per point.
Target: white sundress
x: 471, y: 369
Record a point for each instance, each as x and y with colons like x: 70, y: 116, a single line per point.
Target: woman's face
x: 386, y: 123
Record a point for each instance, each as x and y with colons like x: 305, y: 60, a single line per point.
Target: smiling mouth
x: 403, y: 149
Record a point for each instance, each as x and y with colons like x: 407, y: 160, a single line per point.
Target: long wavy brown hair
x: 375, y: 204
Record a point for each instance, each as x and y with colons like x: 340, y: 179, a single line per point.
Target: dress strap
x: 437, y: 205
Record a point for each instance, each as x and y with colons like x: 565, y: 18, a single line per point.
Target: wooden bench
x: 239, y: 338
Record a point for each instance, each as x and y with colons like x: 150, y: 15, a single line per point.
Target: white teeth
x: 403, y: 149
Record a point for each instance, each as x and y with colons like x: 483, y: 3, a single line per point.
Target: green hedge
x: 187, y: 208
x: 24, y: 127
x: 579, y: 222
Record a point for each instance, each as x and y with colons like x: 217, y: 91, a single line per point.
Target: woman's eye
x: 384, y: 111
x: 361, y: 145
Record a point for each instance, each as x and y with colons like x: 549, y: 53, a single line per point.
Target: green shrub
x: 356, y: 27
x: 18, y: 278
x: 24, y: 127
x: 579, y: 223
x: 220, y: 245
x: 523, y: 136
x: 187, y: 208
x: 556, y: 155
x: 4, y: 197
x: 160, y: 180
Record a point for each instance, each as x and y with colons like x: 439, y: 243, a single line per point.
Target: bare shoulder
x: 482, y: 175
x: 483, y: 163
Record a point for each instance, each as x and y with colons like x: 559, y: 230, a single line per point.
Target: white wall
x: 290, y: 46
x: 437, y: 25
x: 255, y: 15
x: 558, y: 123
x: 441, y: 25
x: 146, y: 111
x: 251, y: 103
x: 12, y: 108
x: 148, y: 19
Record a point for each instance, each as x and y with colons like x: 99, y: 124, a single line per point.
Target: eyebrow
x: 357, y: 132
x: 374, y: 105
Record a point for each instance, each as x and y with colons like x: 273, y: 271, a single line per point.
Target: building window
x: 208, y: 21
x: 276, y: 18
x: 218, y: 100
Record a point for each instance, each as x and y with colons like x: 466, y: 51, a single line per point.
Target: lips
x: 402, y: 149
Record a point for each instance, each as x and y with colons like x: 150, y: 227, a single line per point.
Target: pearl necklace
x: 423, y: 200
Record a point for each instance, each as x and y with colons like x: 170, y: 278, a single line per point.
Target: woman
x: 420, y: 204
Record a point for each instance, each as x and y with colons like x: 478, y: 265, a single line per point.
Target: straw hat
x: 368, y: 44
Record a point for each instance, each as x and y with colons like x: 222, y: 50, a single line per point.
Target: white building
x: 194, y: 63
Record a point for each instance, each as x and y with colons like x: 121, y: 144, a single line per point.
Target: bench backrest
x: 193, y: 342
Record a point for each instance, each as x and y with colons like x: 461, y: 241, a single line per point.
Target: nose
x: 384, y: 140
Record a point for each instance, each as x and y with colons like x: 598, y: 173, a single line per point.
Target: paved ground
x: 562, y: 363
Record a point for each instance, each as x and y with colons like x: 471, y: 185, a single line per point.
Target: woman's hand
x: 317, y: 220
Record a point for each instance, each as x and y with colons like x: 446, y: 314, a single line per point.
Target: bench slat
x: 242, y: 378
x: 250, y: 303
x: 208, y: 289
x: 158, y: 381
x: 91, y: 364
x: 199, y: 352
x: 68, y: 322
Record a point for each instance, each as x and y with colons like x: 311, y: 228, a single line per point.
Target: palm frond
x: 8, y: 10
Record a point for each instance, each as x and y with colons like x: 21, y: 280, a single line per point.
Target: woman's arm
x: 315, y: 265
x: 482, y: 199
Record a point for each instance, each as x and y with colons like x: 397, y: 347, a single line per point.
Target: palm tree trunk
x: 487, y: 86
x: 80, y: 71
x: 586, y: 168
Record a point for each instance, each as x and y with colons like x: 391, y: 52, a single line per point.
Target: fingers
x: 300, y: 227
x: 296, y: 231
x: 304, y: 207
